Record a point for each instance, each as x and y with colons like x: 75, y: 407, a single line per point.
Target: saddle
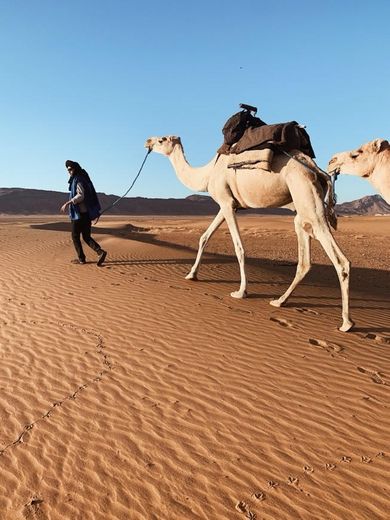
x: 255, y: 141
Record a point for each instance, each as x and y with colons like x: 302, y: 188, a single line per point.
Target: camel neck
x: 195, y: 179
x: 380, y: 177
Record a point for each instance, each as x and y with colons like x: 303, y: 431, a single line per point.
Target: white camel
x: 289, y: 181
x: 371, y: 161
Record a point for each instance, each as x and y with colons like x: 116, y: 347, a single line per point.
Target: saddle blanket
x: 282, y: 136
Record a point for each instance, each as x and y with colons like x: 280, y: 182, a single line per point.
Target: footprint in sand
x: 376, y: 377
x: 378, y: 338
x: 326, y: 345
x: 241, y: 506
x: 239, y: 310
x: 32, y: 508
x: 180, y: 288
x: 282, y: 322
x: 213, y: 296
x: 259, y: 495
x: 303, y: 310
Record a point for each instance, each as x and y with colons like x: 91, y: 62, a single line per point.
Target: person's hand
x: 64, y: 207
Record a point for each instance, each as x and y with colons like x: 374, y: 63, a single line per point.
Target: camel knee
x: 345, y: 269
x: 203, y: 240
x: 308, y: 228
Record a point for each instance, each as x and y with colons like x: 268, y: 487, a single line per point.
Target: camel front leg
x: 219, y: 218
x: 304, y: 262
x: 231, y: 221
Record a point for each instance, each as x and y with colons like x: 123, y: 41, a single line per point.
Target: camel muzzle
x: 336, y: 169
x: 149, y: 145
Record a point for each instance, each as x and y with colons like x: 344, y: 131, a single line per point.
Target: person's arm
x: 79, y: 197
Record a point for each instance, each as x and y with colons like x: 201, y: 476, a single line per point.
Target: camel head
x: 163, y: 145
x: 362, y: 161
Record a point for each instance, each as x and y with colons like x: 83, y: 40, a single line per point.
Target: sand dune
x: 127, y: 392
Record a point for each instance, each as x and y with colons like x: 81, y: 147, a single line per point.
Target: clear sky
x: 90, y: 80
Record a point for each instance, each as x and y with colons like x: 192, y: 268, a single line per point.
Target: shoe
x: 77, y: 261
x: 102, y: 257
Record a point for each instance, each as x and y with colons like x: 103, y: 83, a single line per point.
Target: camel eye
x: 356, y: 154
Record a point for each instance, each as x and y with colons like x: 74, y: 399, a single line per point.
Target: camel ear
x: 173, y: 139
x: 380, y: 145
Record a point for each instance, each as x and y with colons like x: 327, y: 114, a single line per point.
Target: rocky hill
x: 370, y: 205
x: 24, y: 201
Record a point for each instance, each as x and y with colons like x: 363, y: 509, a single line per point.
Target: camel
x: 371, y: 161
x: 290, y: 181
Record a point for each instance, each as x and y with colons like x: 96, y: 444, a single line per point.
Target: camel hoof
x: 238, y: 294
x: 276, y: 303
x: 345, y: 327
x: 191, y: 276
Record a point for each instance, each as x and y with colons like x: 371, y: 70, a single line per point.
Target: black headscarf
x: 77, y: 170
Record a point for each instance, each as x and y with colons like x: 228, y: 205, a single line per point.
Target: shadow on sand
x: 373, y: 282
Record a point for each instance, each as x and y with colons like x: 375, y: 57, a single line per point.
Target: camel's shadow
x: 321, y: 275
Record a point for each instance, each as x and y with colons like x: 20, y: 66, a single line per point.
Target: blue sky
x: 90, y: 80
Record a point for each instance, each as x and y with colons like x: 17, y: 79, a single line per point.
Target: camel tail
x: 327, y: 184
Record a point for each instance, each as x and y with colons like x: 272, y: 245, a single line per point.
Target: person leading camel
x: 84, y: 207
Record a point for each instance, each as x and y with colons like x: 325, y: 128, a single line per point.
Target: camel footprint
x: 376, y: 377
x: 378, y: 338
x: 326, y: 345
x: 235, y: 309
x: 213, y: 296
x: 282, y: 322
x: 303, y: 310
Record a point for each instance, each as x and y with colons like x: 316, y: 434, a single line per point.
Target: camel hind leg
x: 219, y: 218
x: 304, y: 262
x: 308, y: 201
x: 342, y: 266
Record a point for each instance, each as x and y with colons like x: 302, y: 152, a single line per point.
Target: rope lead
x: 132, y: 184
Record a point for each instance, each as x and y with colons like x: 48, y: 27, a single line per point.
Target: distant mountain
x: 370, y: 205
x: 24, y: 201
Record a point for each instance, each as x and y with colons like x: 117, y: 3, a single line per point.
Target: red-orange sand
x: 127, y: 392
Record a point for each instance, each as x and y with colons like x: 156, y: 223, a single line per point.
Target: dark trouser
x: 83, y: 227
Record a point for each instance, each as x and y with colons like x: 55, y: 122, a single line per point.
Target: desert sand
x: 127, y: 392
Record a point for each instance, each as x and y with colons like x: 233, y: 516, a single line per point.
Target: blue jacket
x: 90, y: 198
